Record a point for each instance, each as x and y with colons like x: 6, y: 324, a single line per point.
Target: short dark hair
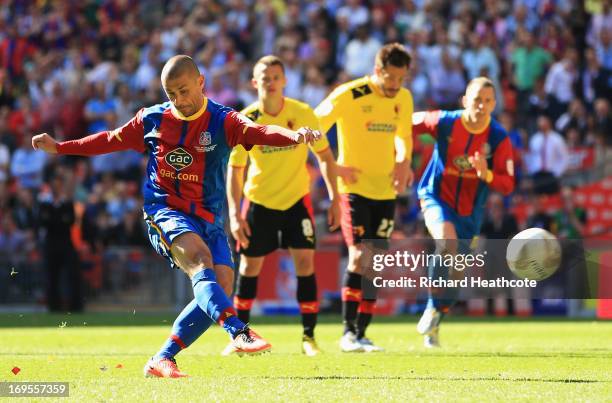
x: 178, y: 65
x: 269, y: 60
x: 394, y: 54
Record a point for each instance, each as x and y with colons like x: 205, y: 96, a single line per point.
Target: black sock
x: 246, y: 290
x: 309, y: 305
x: 366, y: 309
x: 351, y: 297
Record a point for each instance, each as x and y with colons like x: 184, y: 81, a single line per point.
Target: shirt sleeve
x: 426, y: 122
x: 127, y: 137
x: 329, y: 109
x: 238, y: 157
x: 241, y: 130
x: 503, y: 168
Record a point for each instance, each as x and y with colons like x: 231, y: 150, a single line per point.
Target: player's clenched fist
x: 44, y: 142
x: 307, y: 135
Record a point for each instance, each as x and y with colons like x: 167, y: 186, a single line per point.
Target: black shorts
x: 273, y: 229
x: 364, y: 218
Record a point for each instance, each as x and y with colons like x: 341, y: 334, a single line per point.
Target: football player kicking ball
x: 373, y: 119
x: 472, y: 155
x: 277, y: 211
x: 188, y: 141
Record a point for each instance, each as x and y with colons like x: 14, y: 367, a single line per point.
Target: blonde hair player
x: 472, y: 156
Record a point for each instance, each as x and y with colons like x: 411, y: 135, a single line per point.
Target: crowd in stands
x: 76, y: 67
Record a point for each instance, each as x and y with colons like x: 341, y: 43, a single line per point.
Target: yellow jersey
x: 277, y: 176
x: 367, y: 123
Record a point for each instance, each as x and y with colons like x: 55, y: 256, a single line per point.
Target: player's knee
x: 447, y: 247
x: 304, y: 265
x: 355, y: 258
x: 250, y: 267
x: 199, y: 259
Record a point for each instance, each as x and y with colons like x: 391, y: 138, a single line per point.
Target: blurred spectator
x: 314, y: 90
x: 518, y: 145
x: 603, y: 120
x: 574, y: 117
x: 14, y: 243
x: 447, y: 83
x: 24, y: 210
x: 569, y: 222
x: 478, y: 57
x: 539, y: 218
x: 529, y: 61
x: 7, y: 92
x: 219, y: 92
x: 24, y: 119
x: 293, y: 73
x: 560, y: 82
x: 27, y: 165
x: 408, y: 17
x: 130, y: 231
x: 360, y: 53
x: 498, y: 224
x: 595, y: 79
x: 604, y: 48
x: 56, y: 216
x: 538, y: 105
x: 121, y: 204
x: 100, y: 110
x: 548, y: 157
x: 356, y: 14
x: 5, y: 160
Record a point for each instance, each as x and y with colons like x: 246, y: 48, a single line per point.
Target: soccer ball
x: 534, y: 254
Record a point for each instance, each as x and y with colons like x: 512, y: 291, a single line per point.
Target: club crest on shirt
x: 179, y: 159
x: 205, y: 141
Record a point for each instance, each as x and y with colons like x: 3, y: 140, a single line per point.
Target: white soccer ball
x: 534, y: 254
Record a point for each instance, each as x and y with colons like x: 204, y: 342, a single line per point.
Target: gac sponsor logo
x: 179, y: 159
x: 178, y: 175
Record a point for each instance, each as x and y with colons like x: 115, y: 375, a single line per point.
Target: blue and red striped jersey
x: 449, y: 175
x: 187, y: 155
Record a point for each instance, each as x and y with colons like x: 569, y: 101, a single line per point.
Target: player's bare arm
x: 328, y: 166
x: 239, y: 227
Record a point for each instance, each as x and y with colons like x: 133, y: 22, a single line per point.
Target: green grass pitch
x: 484, y: 360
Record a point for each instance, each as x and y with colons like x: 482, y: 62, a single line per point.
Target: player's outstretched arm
x: 241, y: 130
x: 128, y: 137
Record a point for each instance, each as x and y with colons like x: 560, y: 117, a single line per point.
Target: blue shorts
x: 436, y: 211
x: 165, y: 224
